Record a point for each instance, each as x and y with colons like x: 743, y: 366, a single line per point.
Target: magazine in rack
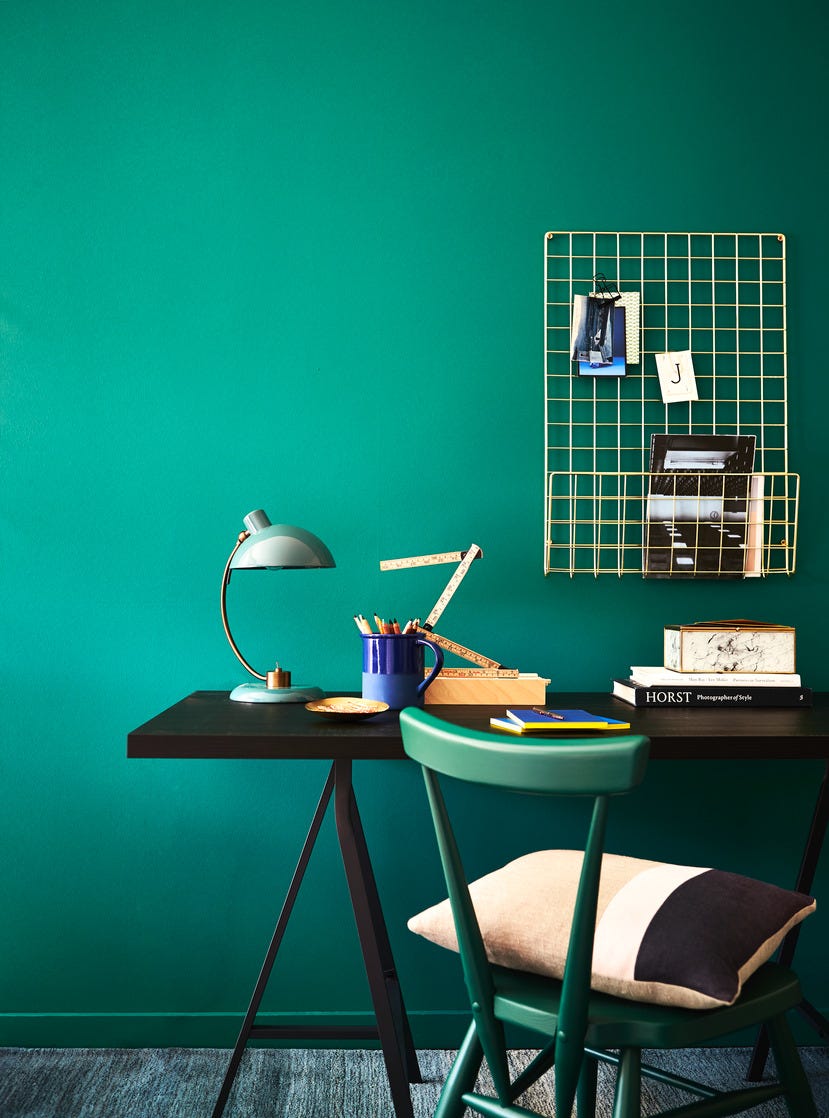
x: 698, y: 506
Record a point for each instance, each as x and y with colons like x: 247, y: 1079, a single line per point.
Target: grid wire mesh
x: 723, y: 297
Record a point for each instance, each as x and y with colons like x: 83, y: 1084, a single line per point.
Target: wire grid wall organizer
x: 723, y: 297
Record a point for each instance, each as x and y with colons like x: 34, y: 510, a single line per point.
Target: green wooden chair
x: 579, y: 1026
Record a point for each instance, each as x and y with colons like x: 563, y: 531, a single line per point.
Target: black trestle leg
x: 392, y: 1023
x: 267, y: 966
x: 392, y: 1028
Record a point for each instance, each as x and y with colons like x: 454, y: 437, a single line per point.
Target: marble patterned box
x: 730, y: 646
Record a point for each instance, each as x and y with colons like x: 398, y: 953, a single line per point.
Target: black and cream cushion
x: 672, y: 935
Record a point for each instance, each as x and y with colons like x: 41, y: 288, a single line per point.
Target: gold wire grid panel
x: 722, y: 296
x: 611, y: 523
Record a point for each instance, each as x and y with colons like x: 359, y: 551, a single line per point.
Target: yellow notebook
x: 526, y: 720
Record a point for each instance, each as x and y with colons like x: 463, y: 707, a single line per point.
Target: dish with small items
x: 346, y: 707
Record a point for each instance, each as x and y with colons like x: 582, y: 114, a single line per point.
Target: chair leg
x: 569, y: 1065
x: 586, y: 1091
x: 462, y: 1076
x: 790, y: 1071
x: 628, y: 1084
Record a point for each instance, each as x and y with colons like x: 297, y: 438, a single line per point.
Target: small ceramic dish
x: 346, y: 707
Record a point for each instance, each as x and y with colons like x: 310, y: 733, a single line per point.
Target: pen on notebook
x: 549, y: 713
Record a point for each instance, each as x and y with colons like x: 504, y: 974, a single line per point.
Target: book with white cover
x: 657, y: 676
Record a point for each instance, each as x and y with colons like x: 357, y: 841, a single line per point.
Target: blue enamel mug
x: 394, y: 666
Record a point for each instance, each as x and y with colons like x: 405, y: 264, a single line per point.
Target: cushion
x: 673, y: 935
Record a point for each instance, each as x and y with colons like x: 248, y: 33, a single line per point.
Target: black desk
x: 208, y: 725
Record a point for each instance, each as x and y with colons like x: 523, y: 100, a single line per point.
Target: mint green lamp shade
x: 271, y: 547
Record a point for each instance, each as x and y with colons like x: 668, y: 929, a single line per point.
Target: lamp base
x: 259, y: 693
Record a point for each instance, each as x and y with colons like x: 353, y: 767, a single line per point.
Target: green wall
x: 289, y: 255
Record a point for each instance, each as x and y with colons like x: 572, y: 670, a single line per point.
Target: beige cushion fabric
x: 525, y: 910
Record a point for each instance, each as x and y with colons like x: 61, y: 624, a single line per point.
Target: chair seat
x: 533, y: 1001
x: 585, y: 1019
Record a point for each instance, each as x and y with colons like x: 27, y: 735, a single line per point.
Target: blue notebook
x: 526, y: 719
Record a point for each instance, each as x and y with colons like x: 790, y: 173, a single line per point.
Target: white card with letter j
x: 676, y: 376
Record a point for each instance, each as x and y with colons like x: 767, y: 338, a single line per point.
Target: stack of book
x: 544, y: 720
x: 664, y: 687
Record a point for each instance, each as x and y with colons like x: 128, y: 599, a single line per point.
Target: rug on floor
x: 303, y: 1083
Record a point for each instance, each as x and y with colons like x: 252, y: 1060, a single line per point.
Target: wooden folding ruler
x: 464, y: 559
x: 459, y: 650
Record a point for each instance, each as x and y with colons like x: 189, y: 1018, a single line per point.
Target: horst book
x: 698, y: 695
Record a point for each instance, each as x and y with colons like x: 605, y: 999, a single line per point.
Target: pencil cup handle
x: 438, y: 651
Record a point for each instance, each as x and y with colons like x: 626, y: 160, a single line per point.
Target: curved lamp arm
x: 225, y: 579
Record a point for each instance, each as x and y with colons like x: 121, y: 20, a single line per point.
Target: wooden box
x: 526, y: 689
x: 730, y: 646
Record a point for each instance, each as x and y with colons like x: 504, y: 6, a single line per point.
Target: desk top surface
x: 208, y: 725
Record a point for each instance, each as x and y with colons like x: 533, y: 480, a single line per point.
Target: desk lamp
x: 273, y: 547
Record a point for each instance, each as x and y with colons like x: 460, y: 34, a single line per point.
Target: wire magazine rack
x: 608, y: 509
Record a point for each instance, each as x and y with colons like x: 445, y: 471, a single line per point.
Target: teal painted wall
x: 289, y: 255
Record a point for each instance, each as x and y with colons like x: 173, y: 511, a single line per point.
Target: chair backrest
x: 557, y: 766
x: 595, y: 767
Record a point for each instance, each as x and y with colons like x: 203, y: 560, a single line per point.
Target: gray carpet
x: 296, y: 1083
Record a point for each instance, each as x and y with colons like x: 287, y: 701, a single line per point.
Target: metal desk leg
x: 279, y: 931
x: 392, y: 1028
x: 392, y: 1023
x: 805, y: 878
